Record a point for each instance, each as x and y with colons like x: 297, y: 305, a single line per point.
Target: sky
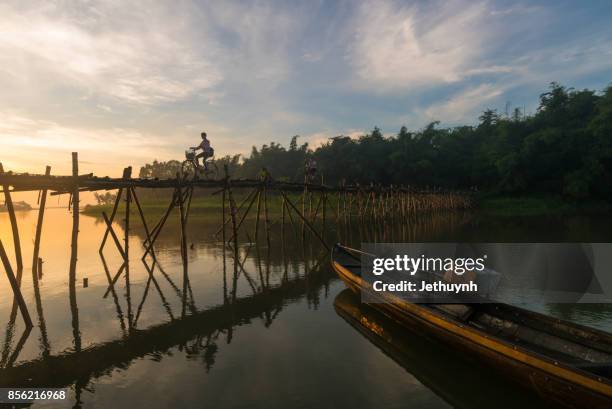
x: 124, y: 83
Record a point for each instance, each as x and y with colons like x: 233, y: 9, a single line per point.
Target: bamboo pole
x: 74, y: 253
x: 37, y: 270
x: 304, y: 206
x: 223, y: 240
x: 283, y: 226
x: 227, y: 220
x: 293, y: 224
x: 128, y: 287
x: 324, y: 208
x: 244, y: 215
x: 114, y: 236
x: 15, y: 286
x: 112, y: 216
x: 183, y: 250
x: 306, y: 222
x: 160, y: 225
x: 39, y: 225
x: 258, y: 214
x: 11, y: 211
x: 143, y: 220
x: 267, y: 219
x: 111, y: 287
x: 233, y: 213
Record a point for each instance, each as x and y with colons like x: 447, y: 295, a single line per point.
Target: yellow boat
x: 565, y: 363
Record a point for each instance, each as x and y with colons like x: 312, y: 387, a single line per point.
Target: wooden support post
x: 160, y: 225
x: 246, y: 212
x: 15, y: 286
x: 251, y: 195
x: 324, y: 208
x: 293, y: 224
x: 267, y: 219
x: 37, y: 269
x: 182, y: 225
x: 183, y: 249
x: 142, y: 219
x: 233, y: 213
x: 114, y: 236
x: 128, y: 201
x: 316, y: 212
x: 189, y: 203
x: 126, y: 243
x: 11, y: 211
x: 306, y: 222
x: 113, y: 213
x: 304, y: 209
x: 74, y: 253
x: 39, y: 225
x: 223, y: 240
x: 258, y: 214
x: 283, y: 226
x: 244, y: 215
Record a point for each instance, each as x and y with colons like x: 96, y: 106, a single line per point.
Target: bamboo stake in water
x: 15, y: 286
x: 8, y: 201
x: 306, y: 222
x: 73, y: 256
x: 39, y: 224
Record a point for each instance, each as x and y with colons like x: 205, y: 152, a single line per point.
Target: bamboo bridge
x: 369, y: 204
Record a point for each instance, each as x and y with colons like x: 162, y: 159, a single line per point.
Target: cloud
x: 143, y: 57
x: 465, y: 104
x: 398, y: 46
x: 42, y: 143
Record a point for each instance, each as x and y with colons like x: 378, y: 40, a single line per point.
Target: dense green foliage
x: 564, y: 148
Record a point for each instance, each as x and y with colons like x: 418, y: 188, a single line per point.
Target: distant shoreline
x: 18, y: 206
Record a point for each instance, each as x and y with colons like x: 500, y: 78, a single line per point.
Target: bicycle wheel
x: 188, y: 170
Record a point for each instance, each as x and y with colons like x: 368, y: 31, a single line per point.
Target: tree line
x: 564, y: 148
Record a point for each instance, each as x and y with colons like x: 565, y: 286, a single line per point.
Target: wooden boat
x: 565, y: 363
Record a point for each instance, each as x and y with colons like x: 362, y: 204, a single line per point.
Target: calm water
x: 274, y: 330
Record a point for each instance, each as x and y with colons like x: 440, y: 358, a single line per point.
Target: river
x: 266, y: 332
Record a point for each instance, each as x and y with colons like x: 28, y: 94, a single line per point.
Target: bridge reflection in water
x: 182, y: 314
x: 195, y: 330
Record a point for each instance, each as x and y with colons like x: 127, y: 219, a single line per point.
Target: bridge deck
x: 67, y: 184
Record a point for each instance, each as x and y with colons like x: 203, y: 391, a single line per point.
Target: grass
x: 505, y: 206
x: 202, y: 206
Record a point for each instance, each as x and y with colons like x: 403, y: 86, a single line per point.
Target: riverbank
x: 202, y: 206
x: 18, y: 206
x: 503, y: 206
x: 510, y: 206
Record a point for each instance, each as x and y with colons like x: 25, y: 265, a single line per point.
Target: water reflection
x: 456, y: 379
x: 178, y: 309
x: 196, y: 332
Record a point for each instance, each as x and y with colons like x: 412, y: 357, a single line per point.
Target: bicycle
x: 191, y: 170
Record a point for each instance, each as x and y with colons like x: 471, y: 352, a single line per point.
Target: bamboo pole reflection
x: 111, y: 289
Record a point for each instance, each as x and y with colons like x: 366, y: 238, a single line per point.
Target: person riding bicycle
x: 207, y: 151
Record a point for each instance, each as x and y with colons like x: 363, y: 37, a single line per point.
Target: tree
x: 105, y: 199
x: 564, y: 148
